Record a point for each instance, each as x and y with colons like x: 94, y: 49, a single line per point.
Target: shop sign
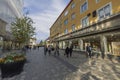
x: 116, y: 48
x: 1, y: 38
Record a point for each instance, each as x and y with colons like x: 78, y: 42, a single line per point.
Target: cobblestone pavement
x: 92, y: 69
x: 78, y: 67
x: 40, y: 67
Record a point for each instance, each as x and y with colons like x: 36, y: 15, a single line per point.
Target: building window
x: 85, y: 22
x: 66, y: 22
x: 66, y: 12
x: 73, y: 27
x: 66, y: 31
x: 1, y: 38
x: 107, y: 10
x: 97, y: 1
x: 72, y: 5
x: 73, y: 16
x: 101, y: 13
x: 104, y: 12
x: 84, y: 7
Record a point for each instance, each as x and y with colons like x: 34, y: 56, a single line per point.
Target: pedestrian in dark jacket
x: 67, y: 51
x: 45, y: 50
x: 49, y: 50
x: 71, y: 50
x: 89, y: 50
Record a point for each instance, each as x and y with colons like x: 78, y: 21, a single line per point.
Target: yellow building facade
x: 94, y: 22
x: 2, y: 33
x: 32, y: 42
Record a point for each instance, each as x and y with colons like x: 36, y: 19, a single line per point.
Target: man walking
x: 89, y: 50
x: 71, y: 50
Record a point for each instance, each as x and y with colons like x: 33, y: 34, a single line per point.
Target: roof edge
x: 61, y: 13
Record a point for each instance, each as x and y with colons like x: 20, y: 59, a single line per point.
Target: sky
x: 44, y: 13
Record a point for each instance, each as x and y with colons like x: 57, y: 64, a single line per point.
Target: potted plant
x: 12, y: 63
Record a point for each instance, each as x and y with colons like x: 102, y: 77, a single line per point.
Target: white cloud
x: 46, y: 16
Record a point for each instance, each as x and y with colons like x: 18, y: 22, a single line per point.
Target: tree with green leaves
x: 41, y: 43
x: 22, y: 29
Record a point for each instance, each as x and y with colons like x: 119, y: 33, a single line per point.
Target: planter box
x: 11, y: 69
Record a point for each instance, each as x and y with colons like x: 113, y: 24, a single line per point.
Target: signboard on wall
x: 116, y: 48
x: 1, y: 38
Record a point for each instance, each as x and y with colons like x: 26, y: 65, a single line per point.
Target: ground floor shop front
x: 103, y: 36
x: 107, y: 43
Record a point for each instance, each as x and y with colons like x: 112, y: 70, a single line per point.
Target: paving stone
x: 78, y: 67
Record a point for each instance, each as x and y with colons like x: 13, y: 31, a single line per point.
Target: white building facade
x: 9, y: 10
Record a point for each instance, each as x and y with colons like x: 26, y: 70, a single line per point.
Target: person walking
x: 45, y: 50
x: 38, y: 47
x: 71, y: 50
x: 49, y: 50
x: 89, y: 50
x: 67, y: 52
x: 56, y: 50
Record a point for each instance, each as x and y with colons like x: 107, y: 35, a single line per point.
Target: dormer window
x: 66, y: 12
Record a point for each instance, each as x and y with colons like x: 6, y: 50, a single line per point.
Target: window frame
x: 66, y: 31
x: 66, y: 21
x: 72, y: 5
x: 73, y: 16
x: 86, y: 17
x: 97, y: 1
x: 73, y: 29
x: 86, y: 7
x: 66, y: 12
x: 103, y: 7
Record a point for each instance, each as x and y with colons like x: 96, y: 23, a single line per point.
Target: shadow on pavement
x: 87, y: 76
x: 70, y: 66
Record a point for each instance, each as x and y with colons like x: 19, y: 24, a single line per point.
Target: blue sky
x: 44, y: 13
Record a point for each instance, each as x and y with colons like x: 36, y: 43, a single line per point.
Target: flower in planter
x: 12, y: 57
x: 19, y: 58
x: 11, y: 63
x: 2, y: 60
x: 9, y: 59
